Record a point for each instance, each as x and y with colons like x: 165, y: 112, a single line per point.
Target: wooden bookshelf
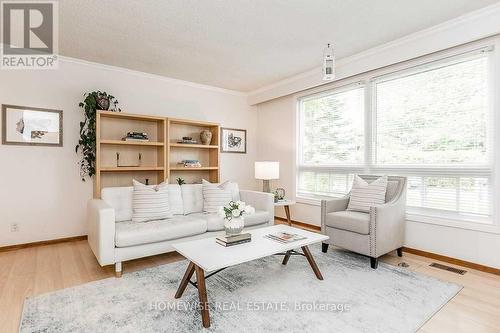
x: 111, y: 127
x: 159, y: 156
x: 208, y: 155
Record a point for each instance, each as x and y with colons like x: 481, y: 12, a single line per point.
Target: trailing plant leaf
x: 87, y: 143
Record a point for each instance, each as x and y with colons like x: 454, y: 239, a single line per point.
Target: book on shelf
x: 190, y: 163
x: 136, y: 136
x: 188, y: 142
x: 234, y: 240
x: 135, y: 139
x: 285, y: 237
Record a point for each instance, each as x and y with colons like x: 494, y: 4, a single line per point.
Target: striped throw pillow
x: 150, y: 202
x: 365, y: 195
x: 215, y: 195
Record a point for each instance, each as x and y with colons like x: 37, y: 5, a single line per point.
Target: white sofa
x: 114, y: 238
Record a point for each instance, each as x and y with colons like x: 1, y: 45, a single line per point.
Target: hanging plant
x: 93, y: 101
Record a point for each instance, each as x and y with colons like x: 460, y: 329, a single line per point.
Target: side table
x: 286, y: 205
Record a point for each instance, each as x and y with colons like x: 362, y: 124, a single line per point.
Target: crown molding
x: 147, y: 75
x: 472, y: 26
x: 151, y: 76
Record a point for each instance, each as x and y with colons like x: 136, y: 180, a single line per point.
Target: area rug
x: 262, y: 295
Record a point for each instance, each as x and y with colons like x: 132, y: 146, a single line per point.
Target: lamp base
x: 266, y: 186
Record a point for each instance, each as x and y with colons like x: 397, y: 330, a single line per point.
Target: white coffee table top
x: 210, y: 256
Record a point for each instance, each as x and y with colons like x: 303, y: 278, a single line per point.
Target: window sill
x: 450, y: 222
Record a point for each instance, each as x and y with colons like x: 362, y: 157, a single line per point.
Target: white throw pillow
x: 150, y: 202
x: 215, y: 195
x: 365, y: 195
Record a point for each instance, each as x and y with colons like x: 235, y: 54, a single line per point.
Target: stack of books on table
x: 233, y: 240
x: 190, y: 163
x: 284, y: 237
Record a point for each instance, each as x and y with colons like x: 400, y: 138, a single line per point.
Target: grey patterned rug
x: 261, y: 295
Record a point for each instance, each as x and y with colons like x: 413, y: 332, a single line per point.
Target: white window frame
x: 367, y: 80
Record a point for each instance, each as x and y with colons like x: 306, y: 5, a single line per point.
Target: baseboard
x: 454, y: 261
x: 300, y: 224
x: 46, y: 242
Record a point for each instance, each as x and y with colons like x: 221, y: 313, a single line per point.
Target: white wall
x: 40, y: 187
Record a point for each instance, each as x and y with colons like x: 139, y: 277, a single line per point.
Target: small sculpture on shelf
x: 206, y: 137
x: 136, y: 136
x: 120, y: 164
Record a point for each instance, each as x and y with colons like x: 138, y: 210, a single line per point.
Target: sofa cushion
x: 216, y: 223
x: 150, y: 202
x: 120, y: 198
x: 192, y: 197
x: 175, y: 199
x: 130, y: 233
x: 348, y: 220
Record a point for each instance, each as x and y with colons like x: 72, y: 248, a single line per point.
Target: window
x: 333, y: 128
x: 430, y: 123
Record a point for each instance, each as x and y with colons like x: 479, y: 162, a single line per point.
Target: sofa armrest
x: 332, y: 205
x: 387, y: 227
x: 260, y: 201
x: 101, y: 230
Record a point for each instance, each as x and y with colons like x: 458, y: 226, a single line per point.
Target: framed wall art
x: 24, y: 125
x: 233, y: 140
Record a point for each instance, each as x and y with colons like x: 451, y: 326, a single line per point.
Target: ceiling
x: 239, y: 44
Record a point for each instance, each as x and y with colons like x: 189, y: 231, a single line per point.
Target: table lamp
x: 266, y: 171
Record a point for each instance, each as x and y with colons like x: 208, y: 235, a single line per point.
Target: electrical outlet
x: 14, y: 227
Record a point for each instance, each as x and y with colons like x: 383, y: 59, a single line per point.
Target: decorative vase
x: 206, y: 137
x: 234, y: 226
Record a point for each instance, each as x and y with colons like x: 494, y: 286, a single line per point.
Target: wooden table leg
x: 202, y: 293
x: 287, y: 257
x: 185, y: 280
x: 310, y: 258
x: 287, y: 212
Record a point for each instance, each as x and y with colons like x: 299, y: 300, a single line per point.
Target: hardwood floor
x: 36, y: 270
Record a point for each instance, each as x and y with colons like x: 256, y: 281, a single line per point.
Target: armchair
x: 371, y: 234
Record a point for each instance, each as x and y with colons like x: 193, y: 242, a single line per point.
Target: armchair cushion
x: 365, y: 195
x: 357, y: 222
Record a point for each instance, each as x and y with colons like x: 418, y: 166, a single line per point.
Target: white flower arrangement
x: 235, y: 210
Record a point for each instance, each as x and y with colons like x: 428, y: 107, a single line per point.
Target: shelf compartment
x: 140, y: 168
x: 184, y: 145
x: 193, y: 169
x: 132, y: 143
x: 122, y: 115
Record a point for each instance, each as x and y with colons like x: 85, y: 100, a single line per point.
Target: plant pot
x: 234, y: 226
x: 102, y: 102
x: 206, y: 137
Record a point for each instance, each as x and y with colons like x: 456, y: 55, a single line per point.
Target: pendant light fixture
x: 328, y: 64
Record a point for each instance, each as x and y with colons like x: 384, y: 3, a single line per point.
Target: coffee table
x: 206, y: 256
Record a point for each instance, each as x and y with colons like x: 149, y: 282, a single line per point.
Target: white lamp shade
x: 267, y: 170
